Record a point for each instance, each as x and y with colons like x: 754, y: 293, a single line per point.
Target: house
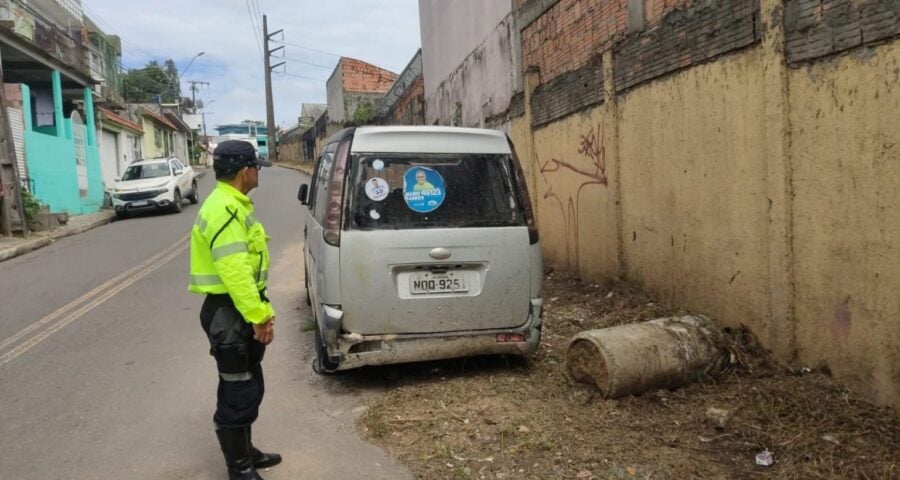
x: 159, y: 132
x: 353, y: 91
x: 404, y: 103
x: 182, y: 138
x: 120, y: 144
x: 44, y: 58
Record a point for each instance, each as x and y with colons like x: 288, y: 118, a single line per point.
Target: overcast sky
x: 317, y: 32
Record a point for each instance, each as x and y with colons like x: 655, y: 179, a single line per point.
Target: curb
x: 33, y: 244
x: 294, y: 167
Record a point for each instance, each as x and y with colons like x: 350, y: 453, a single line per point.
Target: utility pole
x: 270, y: 109
x: 194, y: 89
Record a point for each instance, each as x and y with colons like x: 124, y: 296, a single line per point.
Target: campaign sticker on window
x: 423, y: 189
x: 377, y: 189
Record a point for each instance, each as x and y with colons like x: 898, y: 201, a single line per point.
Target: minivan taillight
x: 332, y: 227
x: 524, y: 198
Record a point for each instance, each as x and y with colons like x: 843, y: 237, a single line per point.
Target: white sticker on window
x: 374, y: 214
x: 378, y: 165
x: 377, y: 189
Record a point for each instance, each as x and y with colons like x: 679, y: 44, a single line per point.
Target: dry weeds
x: 503, y: 418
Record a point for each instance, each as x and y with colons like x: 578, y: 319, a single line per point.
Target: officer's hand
x: 264, y: 333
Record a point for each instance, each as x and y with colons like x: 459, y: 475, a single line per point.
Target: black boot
x: 236, y: 448
x: 260, y: 459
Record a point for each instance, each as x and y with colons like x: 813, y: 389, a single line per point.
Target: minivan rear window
x: 406, y: 191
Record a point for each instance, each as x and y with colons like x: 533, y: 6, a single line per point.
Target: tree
x: 144, y: 85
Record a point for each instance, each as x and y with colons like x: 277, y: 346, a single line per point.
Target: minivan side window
x: 319, y: 188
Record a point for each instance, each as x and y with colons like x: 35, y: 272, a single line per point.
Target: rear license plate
x: 139, y: 204
x: 425, y: 283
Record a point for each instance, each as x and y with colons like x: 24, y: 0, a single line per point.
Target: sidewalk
x: 300, y: 168
x: 15, y: 246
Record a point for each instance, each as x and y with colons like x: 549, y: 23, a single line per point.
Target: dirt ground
x: 504, y: 418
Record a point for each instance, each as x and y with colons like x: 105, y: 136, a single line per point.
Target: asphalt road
x: 105, y: 372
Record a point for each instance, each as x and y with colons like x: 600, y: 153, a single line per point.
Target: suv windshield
x: 401, y: 191
x: 149, y: 170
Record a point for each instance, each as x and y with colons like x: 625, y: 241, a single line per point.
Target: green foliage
x: 364, y: 114
x: 145, y: 84
x: 32, y: 205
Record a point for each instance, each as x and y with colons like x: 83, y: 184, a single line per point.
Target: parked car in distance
x: 154, y: 184
x: 420, y: 244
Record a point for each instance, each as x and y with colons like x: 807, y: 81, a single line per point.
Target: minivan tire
x: 322, y: 364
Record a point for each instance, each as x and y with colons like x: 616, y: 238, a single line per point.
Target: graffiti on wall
x: 564, y: 182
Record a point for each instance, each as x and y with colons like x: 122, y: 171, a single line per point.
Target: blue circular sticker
x: 423, y: 189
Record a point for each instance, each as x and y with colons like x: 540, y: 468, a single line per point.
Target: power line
x: 133, y: 48
x: 308, y: 63
x: 253, y: 27
x: 311, y: 49
x: 285, y: 74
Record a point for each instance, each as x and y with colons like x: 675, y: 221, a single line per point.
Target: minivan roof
x: 426, y: 140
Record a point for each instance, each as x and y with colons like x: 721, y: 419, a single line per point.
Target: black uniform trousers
x: 239, y: 395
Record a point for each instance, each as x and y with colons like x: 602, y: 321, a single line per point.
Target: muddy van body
x: 420, y: 244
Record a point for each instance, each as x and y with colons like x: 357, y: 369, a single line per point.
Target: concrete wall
x: 471, y: 60
x: 845, y: 148
x: 452, y: 30
x: 694, y: 183
x: 733, y: 165
x: 334, y: 91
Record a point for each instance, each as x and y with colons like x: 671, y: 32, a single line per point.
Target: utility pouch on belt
x: 229, y: 341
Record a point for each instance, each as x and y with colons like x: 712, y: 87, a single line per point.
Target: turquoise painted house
x: 63, y: 158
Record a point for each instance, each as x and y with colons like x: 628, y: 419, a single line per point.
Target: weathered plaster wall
x: 845, y: 151
x: 694, y: 189
x: 577, y: 218
x: 481, y: 85
x: 452, y: 30
x: 334, y: 94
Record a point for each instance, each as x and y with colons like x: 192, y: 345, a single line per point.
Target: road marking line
x: 145, y: 268
x: 68, y: 307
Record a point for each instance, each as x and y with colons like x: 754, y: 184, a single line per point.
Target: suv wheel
x: 176, y: 202
x: 194, y: 197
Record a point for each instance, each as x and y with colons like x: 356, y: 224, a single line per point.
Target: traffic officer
x: 230, y: 265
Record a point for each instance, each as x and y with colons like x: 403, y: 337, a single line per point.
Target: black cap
x: 233, y: 155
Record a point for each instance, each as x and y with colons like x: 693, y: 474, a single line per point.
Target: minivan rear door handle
x: 440, y: 253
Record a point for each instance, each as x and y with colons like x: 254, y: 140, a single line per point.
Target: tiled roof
x: 112, y: 117
x: 362, y: 77
x: 159, y: 119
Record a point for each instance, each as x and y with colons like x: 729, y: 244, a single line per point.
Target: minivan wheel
x: 322, y: 364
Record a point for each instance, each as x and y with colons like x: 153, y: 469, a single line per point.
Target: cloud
x: 381, y: 32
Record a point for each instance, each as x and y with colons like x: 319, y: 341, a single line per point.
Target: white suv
x: 154, y: 184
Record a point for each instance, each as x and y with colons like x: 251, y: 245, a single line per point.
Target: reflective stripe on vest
x: 229, y: 249
x: 205, y: 280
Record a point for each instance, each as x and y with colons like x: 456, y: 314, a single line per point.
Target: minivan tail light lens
x: 524, y: 197
x: 332, y: 227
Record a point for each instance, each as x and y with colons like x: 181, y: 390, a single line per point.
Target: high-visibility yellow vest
x: 229, y: 253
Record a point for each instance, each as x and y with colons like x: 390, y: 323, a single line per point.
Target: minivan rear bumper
x: 359, y: 350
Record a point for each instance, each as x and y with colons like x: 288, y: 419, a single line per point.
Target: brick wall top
x: 570, y: 33
x: 362, y: 77
x: 817, y: 28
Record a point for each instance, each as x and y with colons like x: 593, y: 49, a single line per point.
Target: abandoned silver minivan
x: 420, y: 244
